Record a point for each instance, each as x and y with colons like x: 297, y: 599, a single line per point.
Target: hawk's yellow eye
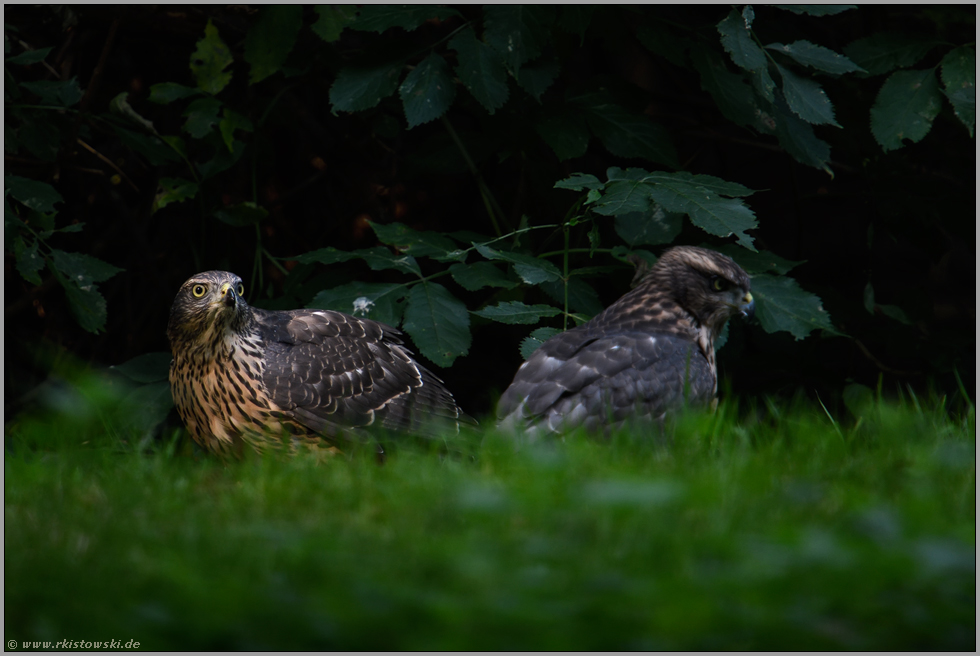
x: 241, y: 289
x: 199, y: 290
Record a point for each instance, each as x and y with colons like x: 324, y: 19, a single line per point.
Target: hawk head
x: 208, y: 308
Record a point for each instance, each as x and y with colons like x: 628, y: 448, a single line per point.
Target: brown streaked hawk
x: 643, y: 355
x: 245, y: 375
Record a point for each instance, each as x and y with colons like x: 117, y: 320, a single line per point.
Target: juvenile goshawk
x: 245, y: 375
x: 646, y: 353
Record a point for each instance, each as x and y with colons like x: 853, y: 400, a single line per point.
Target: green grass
x: 771, y: 529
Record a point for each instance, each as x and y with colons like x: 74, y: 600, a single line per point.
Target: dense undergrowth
x: 770, y: 527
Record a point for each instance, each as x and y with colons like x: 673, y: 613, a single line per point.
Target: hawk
x: 648, y: 352
x: 243, y: 375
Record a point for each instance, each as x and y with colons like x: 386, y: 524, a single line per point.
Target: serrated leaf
x: 27, y: 260
x: 209, y: 61
x: 378, y: 18
x: 381, y: 259
x: 515, y: 312
x: 536, y: 77
x: 29, y: 57
x: 413, y: 242
x: 905, y: 108
x: 624, y: 197
x: 376, y: 301
x: 650, y: 228
x: 709, y: 182
x: 222, y: 160
x: 34, y: 194
x: 332, y: 19
x: 517, y: 32
x: 481, y: 70
x: 427, y: 91
x: 202, y: 116
x: 230, y: 122
x: 884, y: 52
x: 82, y: 270
x: 566, y: 133
x: 738, y: 42
x: 87, y: 304
x: 736, y: 99
x: 763, y: 83
x: 781, y: 304
x: 167, y: 92
x: 816, y: 10
x: 271, y: 38
x: 479, y: 275
x: 146, y: 368
x: 582, y: 297
x: 818, y: 57
x: 959, y: 77
x: 712, y: 213
x: 59, y: 93
x: 532, y: 270
x: 438, y: 323
x: 576, y: 19
x: 807, y: 99
x: 535, y: 340
x: 579, y: 182
x: 359, y: 88
x: 757, y: 262
x: 797, y: 138
x: 241, y: 215
x: 173, y: 190
x: 626, y: 134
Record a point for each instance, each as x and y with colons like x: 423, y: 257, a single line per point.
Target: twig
x: 878, y: 363
x: 109, y: 162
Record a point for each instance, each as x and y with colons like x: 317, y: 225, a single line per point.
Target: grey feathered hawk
x: 643, y: 355
x: 245, y: 375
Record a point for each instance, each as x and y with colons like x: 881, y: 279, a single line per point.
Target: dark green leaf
x: 797, y: 137
x: 360, y: 88
x: 146, y: 368
x: 532, y: 270
x: 36, y: 195
x: 230, y: 122
x: 479, y: 275
x: 173, y: 190
x: 959, y: 77
x: 575, y: 19
x: 736, y: 99
x: 378, y: 18
x: 533, y: 342
x: 626, y: 134
x: 328, y: 255
x: 222, y: 160
x: 39, y: 137
x: 757, y: 262
x: 566, y: 133
x: 781, y: 304
x: 270, y: 39
x: 626, y: 192
x: 582, y: 297
x: 818, y: 57
x: 29, y: 57
x: 167, y: 92
x: 427, y: 91
x: 713, y: 214
x: 515, y: 312
x: 661, y: 40
x: 59, y: 93
x: 209, y: 61
x: 807, y: 98
x: 709, y: 182
x: 579, y: 181
x: 82, y: 270
x: 87, y: 304
x: 816, y: 10
x: 332, y: 20
x: 202, y: 116
x: 652, y: 228
x: 377, y: 301
x: 763, y: 83
x: 905, y: 108
x: 438, y: 323
x: 517, y: 32
x: 27, y: 260
x: 536, y: 77
x: 885, y: 52
x: 241, y: 215
x: 380, y: 259
x: 413, y: 242
x: 481, y: 70
x: 738, y: 41
x: 153, y: 400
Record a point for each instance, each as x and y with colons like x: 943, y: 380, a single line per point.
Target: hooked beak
x: 228, y: 297
x: 747, y: 307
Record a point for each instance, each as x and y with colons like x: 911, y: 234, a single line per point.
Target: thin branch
x: 109, y: 162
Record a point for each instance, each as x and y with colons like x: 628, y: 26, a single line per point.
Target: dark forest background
x: 167, y: 140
